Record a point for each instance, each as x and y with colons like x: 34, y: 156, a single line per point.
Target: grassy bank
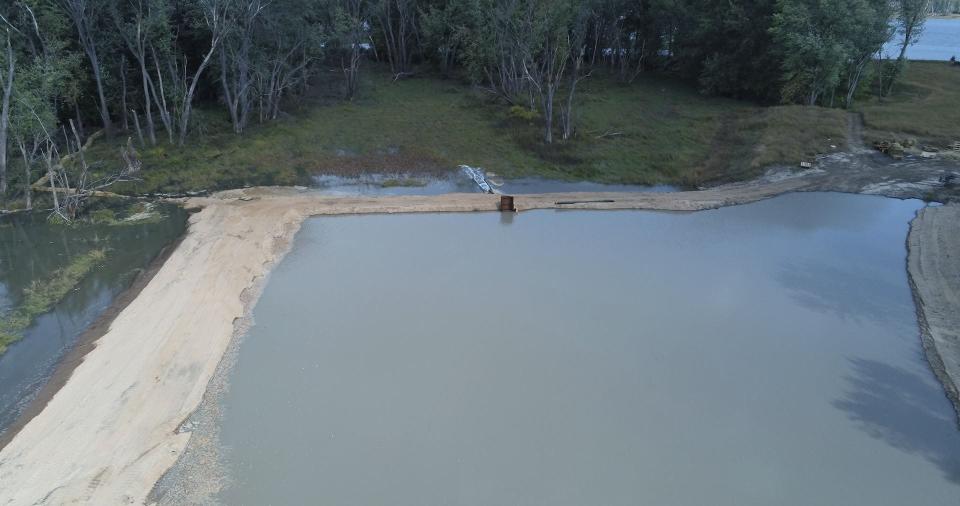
x: 43, y: 294
x: 925, y: 105
x: 655, y: 130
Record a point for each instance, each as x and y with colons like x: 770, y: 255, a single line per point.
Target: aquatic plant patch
x: 43, y: 294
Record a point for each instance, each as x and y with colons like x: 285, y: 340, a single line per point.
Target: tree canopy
x: 139, y: 66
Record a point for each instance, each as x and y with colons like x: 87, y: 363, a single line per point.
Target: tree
x: 235, y: 58
x: 729, y: 48
x: 447, y: 28
x: 350, y: 30
x: 399, y: 26
x: 811, y: 34
x: 288, y: 42
x: 33, y: 109
x: 578, y: 37
x: 213, y: 13
x: 911, y: 18
x: 141, y: 24
x: 7, y: 69
x: 87, y: 16
x: 545, y: 59
x: 869, y: 32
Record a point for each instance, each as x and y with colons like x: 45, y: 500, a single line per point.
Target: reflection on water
x: 848, y: 292
x: 895, y: 406
x: 31, y: 249
x: 726, y: 357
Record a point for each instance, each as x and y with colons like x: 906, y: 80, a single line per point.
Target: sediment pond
x: 759, y: 354
x: 31, y: 250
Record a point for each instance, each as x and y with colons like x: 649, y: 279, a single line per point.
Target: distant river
x: 940, y: 40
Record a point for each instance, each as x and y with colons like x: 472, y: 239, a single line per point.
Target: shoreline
x: 118, y: 425
x: 87, y: 342
x: 933, y: 271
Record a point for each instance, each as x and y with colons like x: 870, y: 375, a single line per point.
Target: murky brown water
x: 761, y: 354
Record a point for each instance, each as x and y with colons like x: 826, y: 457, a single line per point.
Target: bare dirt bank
x: 114, y: 428
x: 933, y: 264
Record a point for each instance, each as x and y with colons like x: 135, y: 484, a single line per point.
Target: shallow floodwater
x: 31, y: 249
x: 457, y: 182
x: 939, y: 41
x: 753, y: 355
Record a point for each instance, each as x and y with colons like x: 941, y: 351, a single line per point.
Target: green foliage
x: 730, y: 49
x: 656, y: 130
x: 819, y: 38
x: 103, y: 216
x: 522, y: 113
x: 923, y: 106
x: 449, y: 27
x: 269, y: 56
x: 43, y: 294
x: 402, y: 182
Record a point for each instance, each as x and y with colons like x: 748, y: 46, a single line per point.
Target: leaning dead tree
x: 71, y: 180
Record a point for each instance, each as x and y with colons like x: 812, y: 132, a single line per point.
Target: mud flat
x: 934, y: 266
x: 114, y: 428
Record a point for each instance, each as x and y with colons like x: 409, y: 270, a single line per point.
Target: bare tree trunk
x: 51, y: 175
x: 139, y: 49
x: 235, y: 64
x: 566, y: 113
x: 136, y: 123
x: 228, y: 95
x: 104, y: 112
x: 27, y: 179
x: 147, y: 108
x: 80, y: 13
x: 901, y: 59
x: 214, y: 21
x: 7, y: 83
x: 123, y: 95
x: 160, y: 98
x: 188, y: 98
x: 548, y: 113
x: 880, y: 75
x: 76, y: 108
x: 351, y: 67
x: 853, y: 82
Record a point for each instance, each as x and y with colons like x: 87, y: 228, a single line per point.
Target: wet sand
x: 933, y: 264
x: 114, y: 428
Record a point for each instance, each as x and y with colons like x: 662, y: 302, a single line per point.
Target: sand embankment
x: 110, y: 433
x: 933, y: 263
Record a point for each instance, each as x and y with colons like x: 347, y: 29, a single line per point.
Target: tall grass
x: 925, y: 105
x: 654, y: 130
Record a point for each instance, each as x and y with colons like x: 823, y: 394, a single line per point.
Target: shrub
x: 103, y: 217
x: 522, y: 113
